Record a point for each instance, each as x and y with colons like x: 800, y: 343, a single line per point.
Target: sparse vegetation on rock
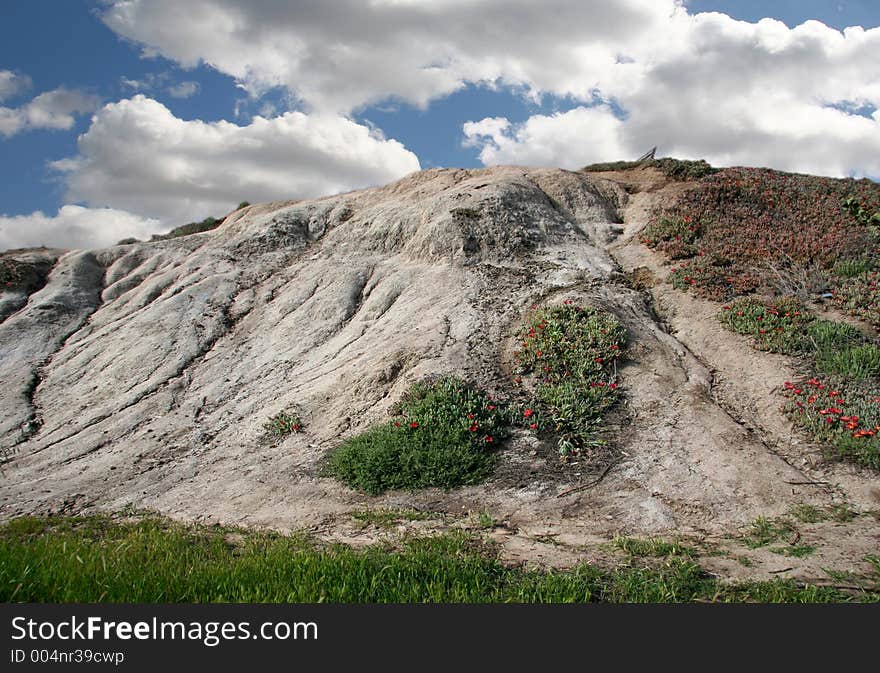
x: 678, y: 169
x: 568, y: 355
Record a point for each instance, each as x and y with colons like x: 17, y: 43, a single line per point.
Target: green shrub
x: 444, y: 435
x: 283, y: 423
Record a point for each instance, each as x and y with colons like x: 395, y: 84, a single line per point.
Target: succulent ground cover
x: 677, y: 169
x: 839, y: 402
x: 444, y: 433
x: 568, y: 355
x: 744, y: 229
x: 745, y: 232
x: 12, y: 274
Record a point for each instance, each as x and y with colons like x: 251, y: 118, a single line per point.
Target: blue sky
x: 174, y: 98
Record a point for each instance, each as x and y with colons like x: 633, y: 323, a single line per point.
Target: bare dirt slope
x: 142, y: 375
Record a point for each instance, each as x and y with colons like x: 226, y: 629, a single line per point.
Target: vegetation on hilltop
x: 677, y: 169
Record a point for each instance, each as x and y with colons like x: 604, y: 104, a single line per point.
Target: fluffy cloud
x: 137, y: 156
x: 73, y: 227
x: 13, y: 84
x: 53, y: 110
x: 341, y: 55
x: 700, y: 85
x: 568, y: 140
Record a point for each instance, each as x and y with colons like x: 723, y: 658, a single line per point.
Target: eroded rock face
x: 137, y: 368
x: 143, y: 374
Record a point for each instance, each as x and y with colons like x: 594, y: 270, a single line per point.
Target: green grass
x: 98, y: 559
x: 852, y: 268
x: 853, y: 362
x: 444, y: 435
x: 765, y: 531
x: 653, y: 547
x: 806, y: 513
x: 794, y: 551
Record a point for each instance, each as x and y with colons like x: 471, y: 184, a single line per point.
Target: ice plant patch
x: 844, y: 416
x: 742, y: 229
x: 567, y: 357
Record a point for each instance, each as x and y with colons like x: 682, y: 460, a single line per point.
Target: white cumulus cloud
x: 568, y: 140
x: 73, y: 227
x: 697, y: 85
x: 137, y: 156
x: 54, y: 110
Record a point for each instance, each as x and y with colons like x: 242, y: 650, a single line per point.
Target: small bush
x: 444, y: 435
x: 283, y: 424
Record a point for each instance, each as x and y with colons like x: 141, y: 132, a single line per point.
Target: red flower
x: 414, y: 425
x: 474, y: 427
x: 599, y: 360
x: 528, y: 413
x: 534, y: 426
x: 488, y: 439
x: 491, y: 407
x: 396, y: 424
